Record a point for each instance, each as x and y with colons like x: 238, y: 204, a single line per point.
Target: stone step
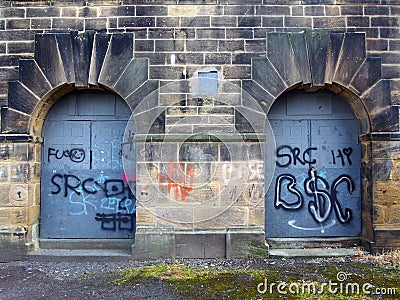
x: 87, y: 244
x: 313, y: 252
x: 68, y: 255
x: 320, y: 242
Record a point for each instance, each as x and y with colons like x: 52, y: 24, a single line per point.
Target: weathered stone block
x: 386, y: 119
x: 296, y: 22
x: 167, y: 22
x: 100, y: 46
x: 266, y: 76
x: 278, y: 46
x: 387, y: 193
x: 154, y: 243
x: 126, y: 22
x: 82, y: 46
x: 144, y: 217
x: 380, y: 214
x: 12, y: 12
x: 209, y: 244
x: 219, y: 218
x: 48, y: 59
x: 4, y: 195
x: 381, y: 169
x: 13, y: 121
x: 249, y: 21
x: 353, y: 54
x: 32, y: 77
x: 386, y: 238
x: 68, y: 24
x: 333, y: 22
x: 32, y: 214
x: 15, y: 216
x: 368, y: 74
x: 135, y: 74
x: 395, y: 175
x: 151, y: 10
x: 239, y: 10
x: 145, y: 95
x: 246, y: 241
x: 41, y: 23
x: 226, y: 21
x: 20, y: 98
x: 14, y: 152
x: 12, y: 244
x: 20, y: 172
x: 394, y: 214
x: 117, y: 57
x: 196, y: 21
x: 46, y: 12
x: 257, y: 215
x: 182, y: 10
x: 166, y: 72
x: 20, y: 195
x: 20, y: 47
x: 317, y: 45
x: 4, y: 173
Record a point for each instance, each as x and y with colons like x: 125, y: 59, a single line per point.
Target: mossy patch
x: 297, y: 280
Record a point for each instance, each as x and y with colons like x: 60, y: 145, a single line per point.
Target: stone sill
x: 247, y: 137
x: 12, y: 231
x: 380, y: 136
x: 15, y: 138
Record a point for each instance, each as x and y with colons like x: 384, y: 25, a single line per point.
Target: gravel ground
x: 92, y: 280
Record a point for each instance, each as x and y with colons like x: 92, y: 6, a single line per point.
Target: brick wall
x: 219, y: 33
x: 181, y: 39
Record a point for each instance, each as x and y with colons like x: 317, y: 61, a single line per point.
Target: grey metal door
x: 84, y: 192
x: 315, y: 190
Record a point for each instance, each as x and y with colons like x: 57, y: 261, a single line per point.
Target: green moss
x: 309, y: 279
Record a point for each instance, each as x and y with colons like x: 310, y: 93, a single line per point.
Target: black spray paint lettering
x: 341, y: 154
x: 70, y: 183
x: 76, y: 155
x: 321, y: 207
x: 294, y: 156
x: 324, y: 197
x: 110, y: 221
x: 290, y: 182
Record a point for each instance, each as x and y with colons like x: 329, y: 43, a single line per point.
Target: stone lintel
x: 15, y: 138
x: 249, y: 137
x: 380, y: 136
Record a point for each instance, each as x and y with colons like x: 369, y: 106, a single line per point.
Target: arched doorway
x: 84, y: 191
x: 316, y: 188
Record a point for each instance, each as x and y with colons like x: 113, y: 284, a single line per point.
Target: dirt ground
x: 95, y: 280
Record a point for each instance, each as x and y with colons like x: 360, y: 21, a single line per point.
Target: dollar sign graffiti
x: 320, y: 208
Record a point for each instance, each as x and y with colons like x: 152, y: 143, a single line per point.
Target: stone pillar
x: 19, y: 201
x: 386, y: 190
x: 200, y: 176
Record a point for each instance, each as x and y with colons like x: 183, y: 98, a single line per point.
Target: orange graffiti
x: 179, y: 180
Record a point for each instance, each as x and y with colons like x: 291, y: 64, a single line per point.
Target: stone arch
x: 314, y: 60
x: 63, y: 62
x: 325, y: 60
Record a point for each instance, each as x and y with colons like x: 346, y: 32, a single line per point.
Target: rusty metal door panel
x: 315, y: 190
x: 84, y: 193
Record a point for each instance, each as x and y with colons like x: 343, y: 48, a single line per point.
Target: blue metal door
x: 315, y: 190
x: 84, y: 192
